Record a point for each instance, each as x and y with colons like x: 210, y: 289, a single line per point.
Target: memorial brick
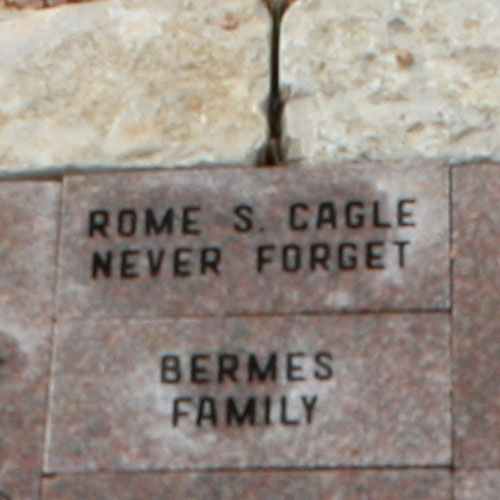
x: 477, y: 485
x: 28, y: 221
x: 243, y: 392
x: 235, y: 241
x: 476, y: 315
x: 333, y: 485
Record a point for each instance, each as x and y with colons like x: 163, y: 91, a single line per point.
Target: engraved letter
x: 98, y: 221
x: 244, y: 214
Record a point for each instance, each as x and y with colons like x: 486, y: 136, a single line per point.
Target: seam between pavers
x: 450, y: 236
x: 59, y: 173
x: 251, y: 469
x: 451, y: 339
x: 391, y: 312
x: 60, y: 248
x: 477, y: 468
x: 451, y: 288
x: 52, y: 316
x: 55, y: 302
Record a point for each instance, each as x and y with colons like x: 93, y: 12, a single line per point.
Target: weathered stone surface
x: 37, y: 4
x: 388, y: 249
x: 392, y: 80
x: 338, y: 390
x: 28, y: 218
x: 477, y: 485
x: 133, y: 82
x: 338, y: 485
x: 21, y: 4
x: 476, y: 316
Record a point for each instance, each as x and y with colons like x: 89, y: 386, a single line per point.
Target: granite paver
x: 476, y: 315
x: 297, y: 391
x: 213, y: 241
x: 334, y: 485
x: 28, y: 218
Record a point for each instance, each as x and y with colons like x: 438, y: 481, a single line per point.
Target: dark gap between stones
x: 272, y: 152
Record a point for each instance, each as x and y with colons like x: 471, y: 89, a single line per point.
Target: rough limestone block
x: 338, y: 485
x: 396, y: 80
x: 296, y: 391
x: 133, y: 82
x: 477, y: 485
x: 28, y: 218
x: 476, y: 315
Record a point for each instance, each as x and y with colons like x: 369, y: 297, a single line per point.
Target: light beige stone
x: 132, y: 82
x: 392, y: 79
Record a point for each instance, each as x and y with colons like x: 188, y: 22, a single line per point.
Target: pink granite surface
x: 358, y: 390
x: 348, y: 238
x: 28, y: 222
x: 335, y: 485
x: 381, y: 385
x: 476, y: 315
x: 477, y: 485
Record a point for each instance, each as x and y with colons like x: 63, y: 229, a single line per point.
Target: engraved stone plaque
x: 333, y: 485
x: 236, y: 241
x: 297, y: 391
x: 476, y: 315
x: 28, y: 221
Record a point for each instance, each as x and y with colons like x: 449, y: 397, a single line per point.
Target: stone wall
x: 129, y: 82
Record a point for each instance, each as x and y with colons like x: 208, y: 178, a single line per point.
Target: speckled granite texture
x: 363, y: 390
x: 477, y: 485
x: 28, y: 222
x: 385, y: 402
x: 476, y: 315
x: 338, y: 485
x: 345, y: 238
